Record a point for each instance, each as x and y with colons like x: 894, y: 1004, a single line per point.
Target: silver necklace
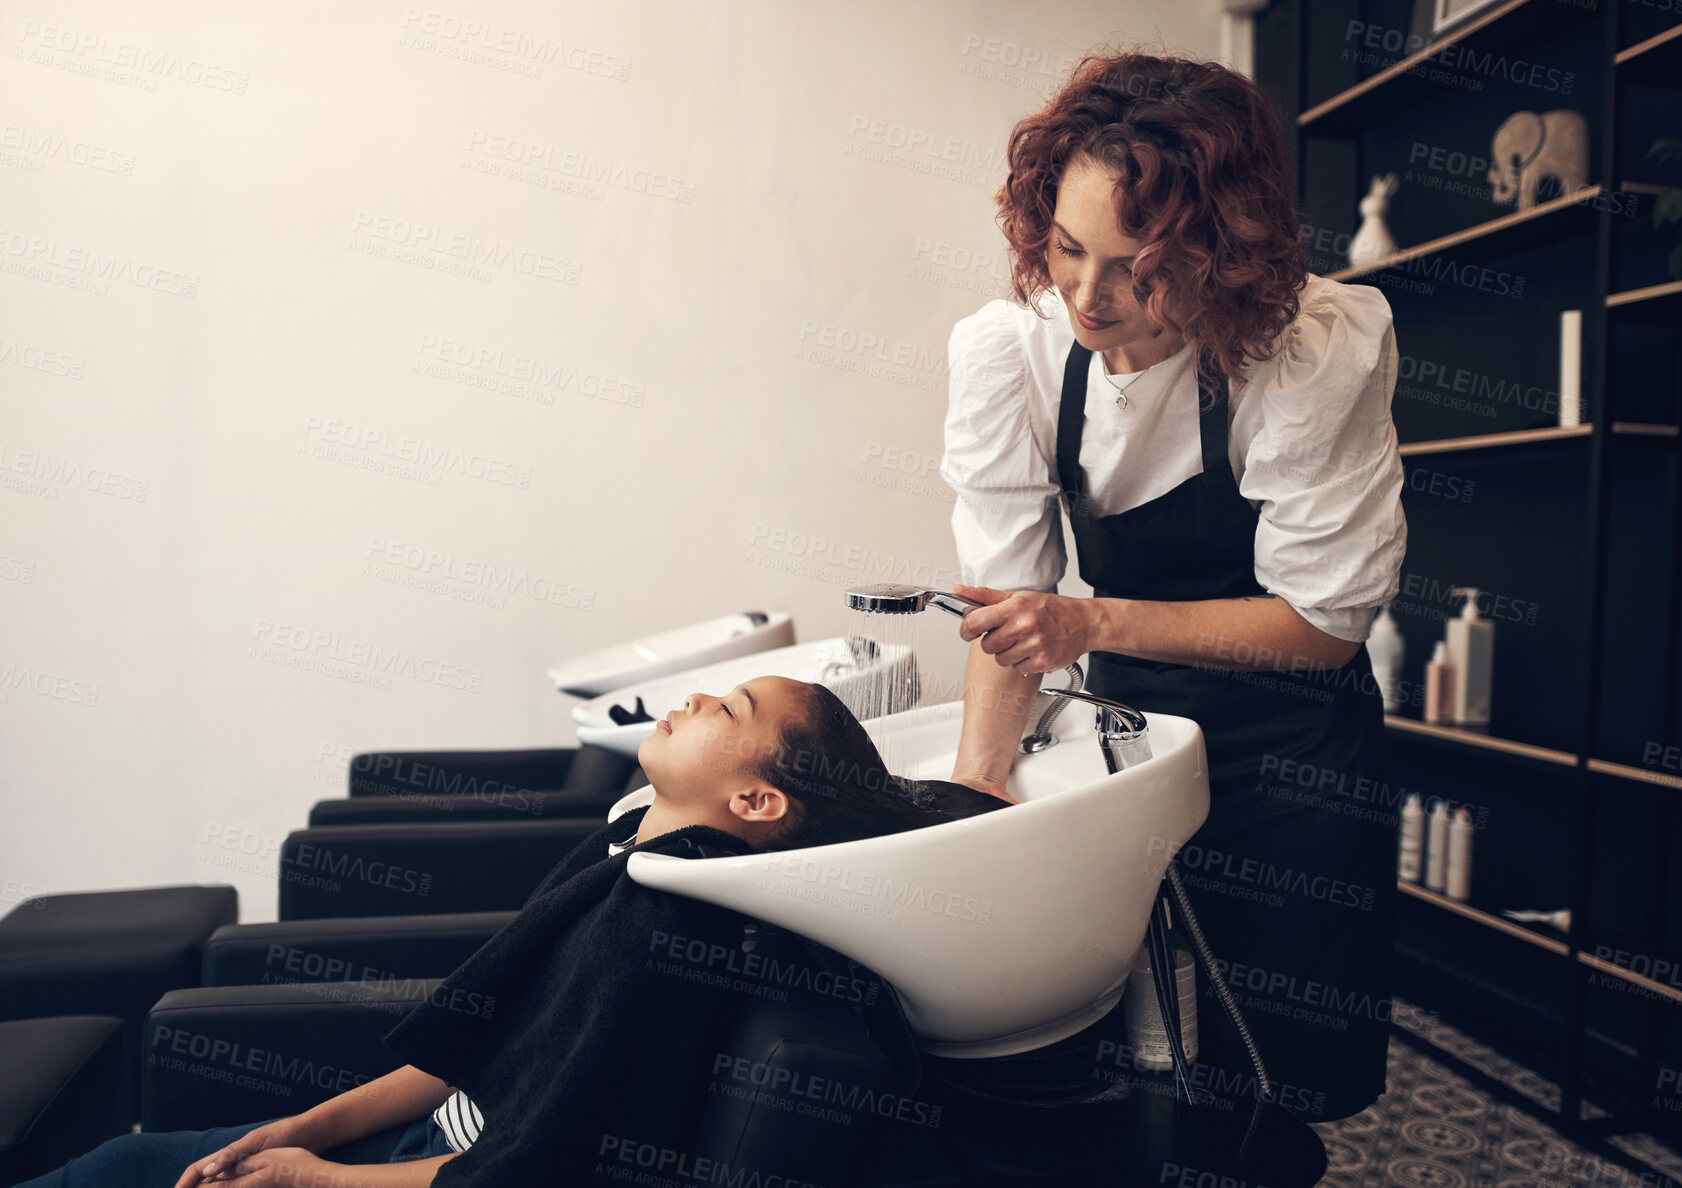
x: 1121, y: 389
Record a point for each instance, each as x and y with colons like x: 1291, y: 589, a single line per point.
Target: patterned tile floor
x: 1458, y: 1114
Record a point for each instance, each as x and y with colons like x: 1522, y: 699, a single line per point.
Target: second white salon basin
x: 673, y: 650
x: 832, y: 662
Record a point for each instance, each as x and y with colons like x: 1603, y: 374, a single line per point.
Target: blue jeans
x: 145, y: 1160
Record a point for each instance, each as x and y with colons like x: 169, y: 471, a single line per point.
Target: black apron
x: 1293, y: 875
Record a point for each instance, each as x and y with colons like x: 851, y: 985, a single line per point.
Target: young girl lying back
x: 595, y: 1040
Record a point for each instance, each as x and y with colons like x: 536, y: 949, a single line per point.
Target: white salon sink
x: 674, y: 650
x: 829, y: 662
x: 1003, y: 932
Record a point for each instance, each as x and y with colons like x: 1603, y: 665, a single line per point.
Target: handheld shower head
x: 890, y: 598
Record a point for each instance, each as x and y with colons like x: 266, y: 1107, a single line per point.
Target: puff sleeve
x: 1007, y: 521
x: 1323, y: 464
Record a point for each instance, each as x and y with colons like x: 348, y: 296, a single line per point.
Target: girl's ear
x: 760, y: 802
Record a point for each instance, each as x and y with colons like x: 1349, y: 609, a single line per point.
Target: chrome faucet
x: 1123, y: 734
x: 1122, y: 731
x: 861, y: 653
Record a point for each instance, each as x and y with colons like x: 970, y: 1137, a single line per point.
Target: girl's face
x: 1090, y: 261
x: 701, y: 757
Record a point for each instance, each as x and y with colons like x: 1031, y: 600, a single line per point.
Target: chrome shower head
x: 890, y: 598
x: 887, y: 598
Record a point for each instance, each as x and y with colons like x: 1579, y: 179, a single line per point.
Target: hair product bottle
x: 1413, y: 839
x: 1385, y: 647
x: 1436, y: 846
x: 1439, y: 685
x: 1147, y: 1033
x: 1471, y: 649
x: 1460, y: 855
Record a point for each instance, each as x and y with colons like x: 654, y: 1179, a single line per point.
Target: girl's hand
x: 283, y: 1165
x: 1027, y: 630
x: 217, y: 1168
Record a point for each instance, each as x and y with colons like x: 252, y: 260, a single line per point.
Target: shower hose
x: 1167, y: 1001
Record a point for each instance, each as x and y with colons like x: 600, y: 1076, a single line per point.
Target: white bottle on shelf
x: 1385, y: 648
x: 1471, y: 649
x: 1460, y: 855
x: 1413, y: 839
x: 1570, y: 366
x: 1436, y: 847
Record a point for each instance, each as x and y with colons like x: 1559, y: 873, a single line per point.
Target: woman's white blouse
x: 1311, y: 441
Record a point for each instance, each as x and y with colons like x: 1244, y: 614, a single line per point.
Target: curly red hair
x: 1204, y: 185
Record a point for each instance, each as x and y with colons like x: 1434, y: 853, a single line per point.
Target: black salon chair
x: 362, y: 949
x: 408, y: 787
x: 428, y: 868
x: 321, y: 993
x: 314, y: 1044
x: 224, y: 1055
x: 381, y: 854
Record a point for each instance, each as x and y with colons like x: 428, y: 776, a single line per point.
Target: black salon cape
x: 587, y: 1041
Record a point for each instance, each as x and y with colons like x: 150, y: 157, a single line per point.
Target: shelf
x: 1654, y: 62
x: 1476, y: 740
x: 1508, y: 27
x: 1487, y: 441
x: 1639, y: 774
x: 1499, y: 923
x: 1519, y: 437
x: 1542, y: 223
x: 1661, y: 304
x: 1642, y: 429
x: 1634, y: 979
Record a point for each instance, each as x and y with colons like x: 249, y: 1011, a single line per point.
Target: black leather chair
x: 225, y: 1055
x: 375, y: 949
x: 65, y: 1090
x: 333, y: 987
x: 411, y: 786
x: 108, y: 953
x: 418, y: 869
x: 487, y: 773
x: 448, y: 831
x: 526, y: 807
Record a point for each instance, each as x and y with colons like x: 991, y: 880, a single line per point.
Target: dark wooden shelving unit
x: 1541, y: 938
x: 1660, y: 304
x: 1461, y: 737
x: 1565, y: 215
x: 1586, y: 517
x: 1490, y: 441
x: 1511, y: 27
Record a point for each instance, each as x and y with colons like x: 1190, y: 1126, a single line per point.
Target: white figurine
x: 1373, y: 241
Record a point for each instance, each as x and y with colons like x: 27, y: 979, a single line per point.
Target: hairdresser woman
x: 1239, y: 522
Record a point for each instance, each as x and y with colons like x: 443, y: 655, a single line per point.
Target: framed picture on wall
x: 1452, y: 12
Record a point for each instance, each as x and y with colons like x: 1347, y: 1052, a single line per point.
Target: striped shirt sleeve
x: 460, y: 1121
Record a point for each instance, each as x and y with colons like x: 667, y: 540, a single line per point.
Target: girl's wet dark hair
x: 839, y: 787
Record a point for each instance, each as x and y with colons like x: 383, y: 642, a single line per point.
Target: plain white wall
x: 361, y: 361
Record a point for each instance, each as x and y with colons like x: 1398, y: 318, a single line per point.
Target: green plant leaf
x: 1665, y: 148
